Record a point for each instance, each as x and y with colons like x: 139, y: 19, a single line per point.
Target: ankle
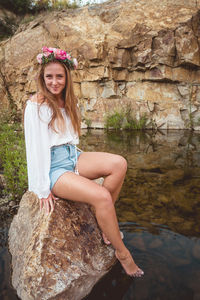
x: 124, y: 254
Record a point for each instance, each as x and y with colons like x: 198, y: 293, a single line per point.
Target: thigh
x: 77, y: 188
x: 93, y: 165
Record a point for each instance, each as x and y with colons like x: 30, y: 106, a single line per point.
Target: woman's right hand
x: 48, y: 203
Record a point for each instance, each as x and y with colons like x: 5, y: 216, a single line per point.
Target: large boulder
x: 56, y: 256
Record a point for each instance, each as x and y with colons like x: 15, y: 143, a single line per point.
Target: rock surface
x: 140, y: 53
x: 56, y: 256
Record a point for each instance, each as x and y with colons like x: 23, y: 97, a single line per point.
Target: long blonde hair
x: 70, y: 101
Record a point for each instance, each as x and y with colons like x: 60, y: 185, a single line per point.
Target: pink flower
x: 39, y: 58
x: 62, y: 57
x: 52, y: 50
x: 60, y: 54
x: 63, y: 53
x: 46, y: 54
x: 47, y: 51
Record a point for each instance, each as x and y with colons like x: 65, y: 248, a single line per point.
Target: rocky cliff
x: 140, y: 53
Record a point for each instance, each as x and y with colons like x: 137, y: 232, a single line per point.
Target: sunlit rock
x: 56, y: 256
x: 152, y: 53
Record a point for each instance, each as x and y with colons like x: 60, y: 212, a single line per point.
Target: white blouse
x: 39, y: 139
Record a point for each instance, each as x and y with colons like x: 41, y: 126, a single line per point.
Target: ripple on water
x: 171, y: 270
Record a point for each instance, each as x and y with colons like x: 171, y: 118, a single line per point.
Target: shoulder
x: 37, y: 102
x: 36, y: 107
x: 37, y: 98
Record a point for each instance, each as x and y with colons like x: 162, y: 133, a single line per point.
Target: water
x: 158, y: 211
x: 171, y: 270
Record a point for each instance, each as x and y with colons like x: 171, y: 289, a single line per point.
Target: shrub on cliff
x: 17, y: 6
x: 125, y: 119
x: 33, y: 6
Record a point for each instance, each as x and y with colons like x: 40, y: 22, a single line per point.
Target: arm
x: 37, y: 149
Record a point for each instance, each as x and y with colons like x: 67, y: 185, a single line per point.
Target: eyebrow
x: 56, y: 74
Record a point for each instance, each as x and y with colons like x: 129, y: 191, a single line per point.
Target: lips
x: 55, y: 88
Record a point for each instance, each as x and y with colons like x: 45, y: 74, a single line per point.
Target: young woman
x: 56, y: 167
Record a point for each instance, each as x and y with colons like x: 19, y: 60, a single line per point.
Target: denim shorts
x: 63, y: 159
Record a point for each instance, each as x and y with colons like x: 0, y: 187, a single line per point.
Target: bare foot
x: 107, y: 242
x: 129, y: 265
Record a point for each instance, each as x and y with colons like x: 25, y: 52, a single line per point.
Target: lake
x: 158, y: 211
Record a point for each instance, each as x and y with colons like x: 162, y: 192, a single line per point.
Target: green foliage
x: 17, y: 6
x: 13, y: 158
x: 62, y: 4
x: 22, y: 7
x: 88, y: 122
x: 27, y: 6
x: 125, y: 119
x: 8, y: 26
x: 137, y: 124
x: 114, y: 120
x: 40, y: 5
x: 131, y: 122
x: 5, y: 28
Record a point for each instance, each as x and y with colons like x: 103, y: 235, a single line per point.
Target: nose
x: 54, y: 81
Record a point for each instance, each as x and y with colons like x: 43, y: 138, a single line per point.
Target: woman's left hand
x: 48, y: 203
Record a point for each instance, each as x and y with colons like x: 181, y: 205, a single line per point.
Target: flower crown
x: 51, y: 54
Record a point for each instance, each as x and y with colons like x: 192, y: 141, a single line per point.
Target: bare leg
x: 77, y: 188
x: 113, y: 167
x: 118, y: 172
x: 80, y: 188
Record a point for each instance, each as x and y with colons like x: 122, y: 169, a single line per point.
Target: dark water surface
x: 158, y: 211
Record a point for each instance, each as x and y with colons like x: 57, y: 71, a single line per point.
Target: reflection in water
x: 162, y: 185
x: 172, y: 269
x: 159, y: 213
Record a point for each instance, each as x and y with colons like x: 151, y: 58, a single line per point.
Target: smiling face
x: 55, y: 78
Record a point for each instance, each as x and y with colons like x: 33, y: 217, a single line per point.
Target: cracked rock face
x: 59, y: 256
x: 129, y: 53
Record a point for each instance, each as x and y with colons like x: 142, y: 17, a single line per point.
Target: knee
x: 121, y: 164
x: 105, y: 201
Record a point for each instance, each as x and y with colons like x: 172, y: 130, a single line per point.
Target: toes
x: 138, y: 273
x: 106, y: 241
